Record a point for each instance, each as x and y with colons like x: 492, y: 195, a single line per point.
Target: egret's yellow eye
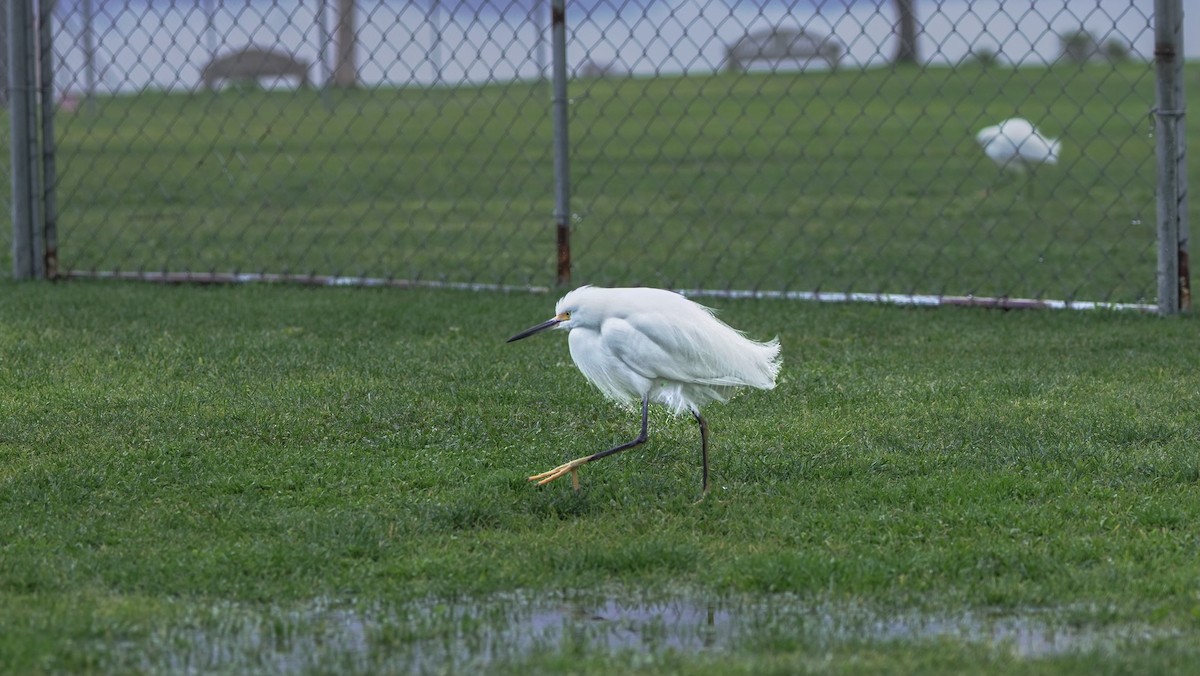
x: 563, y: 316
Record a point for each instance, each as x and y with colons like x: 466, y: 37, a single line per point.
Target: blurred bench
x: 249, y: 64
x: 778, y: 46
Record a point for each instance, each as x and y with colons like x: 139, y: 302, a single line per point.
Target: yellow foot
x: 567, y: 467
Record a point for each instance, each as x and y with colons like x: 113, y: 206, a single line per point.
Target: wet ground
x: 472, y: 633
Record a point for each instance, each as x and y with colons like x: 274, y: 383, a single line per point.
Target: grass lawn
x: 862, y: 181
x: 272, y: 478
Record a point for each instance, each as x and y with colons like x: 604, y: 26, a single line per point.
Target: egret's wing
x: 1038, y: 148
x: 1000, y: 150
x: 699, y: 350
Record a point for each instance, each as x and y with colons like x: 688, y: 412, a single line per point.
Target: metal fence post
x: 27, y: 256
x: 48, y: 241
x: 1174, y: 292
x: 89, y: 55
x: 1185, y: 279
x: 562, y: 174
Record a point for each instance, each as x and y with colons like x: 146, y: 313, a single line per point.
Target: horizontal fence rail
x: 976, y: 152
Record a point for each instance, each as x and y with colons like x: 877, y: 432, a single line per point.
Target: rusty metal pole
x: 1174, y: 286
x: 562, y: 174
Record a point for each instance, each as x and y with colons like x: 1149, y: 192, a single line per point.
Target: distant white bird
x: 655, y: 346
x: 1018, y: 146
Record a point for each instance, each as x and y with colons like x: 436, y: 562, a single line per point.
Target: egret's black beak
x: 548, y: 324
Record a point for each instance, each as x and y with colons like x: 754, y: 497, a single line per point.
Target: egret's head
x: 987, y: 135
x: 573, y: 309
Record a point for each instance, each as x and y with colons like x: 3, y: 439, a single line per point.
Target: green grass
x: 861, y: 181
x: 180, y: 464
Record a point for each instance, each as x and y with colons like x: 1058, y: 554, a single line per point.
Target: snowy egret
x: 1015, y: 144
x: 651, y: 345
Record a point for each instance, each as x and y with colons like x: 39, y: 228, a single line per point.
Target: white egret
x: 1015, y: 144
x: 651, y: 345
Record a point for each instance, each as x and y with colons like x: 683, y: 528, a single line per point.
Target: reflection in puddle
x: 466, y: 634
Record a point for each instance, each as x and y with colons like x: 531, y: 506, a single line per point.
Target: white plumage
x: 655, y: 346
x: 630, y: 343
x: 1015, y: 144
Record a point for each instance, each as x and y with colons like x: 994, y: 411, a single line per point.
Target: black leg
x: 641, y: 438
x: 703, y: 449
x: 570, y: 467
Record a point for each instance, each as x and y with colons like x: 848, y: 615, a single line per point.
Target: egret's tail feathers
x: 1055, y: 149
x: 757, y: 366
x: 774, y: 362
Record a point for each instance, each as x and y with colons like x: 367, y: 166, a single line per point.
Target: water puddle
x: 469, y: 634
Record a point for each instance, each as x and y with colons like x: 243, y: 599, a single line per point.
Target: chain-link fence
x: 740, y: 145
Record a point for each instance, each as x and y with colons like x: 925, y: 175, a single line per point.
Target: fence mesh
x: 719, y: 144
